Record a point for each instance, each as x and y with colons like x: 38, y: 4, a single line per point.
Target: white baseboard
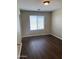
x: 36, y: 35
x: 19, y: 47
x: 57, y: 36
x: 43, y: 34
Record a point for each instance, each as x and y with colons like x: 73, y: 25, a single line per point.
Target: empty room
x: 39, y: 29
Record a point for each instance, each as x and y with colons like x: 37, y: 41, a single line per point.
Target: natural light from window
x: 36, y: 22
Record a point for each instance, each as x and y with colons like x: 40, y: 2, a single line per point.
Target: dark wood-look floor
x: 41, y: 47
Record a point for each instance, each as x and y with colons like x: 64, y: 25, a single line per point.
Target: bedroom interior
x: 39, y: 29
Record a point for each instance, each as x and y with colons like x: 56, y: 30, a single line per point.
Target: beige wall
x: 26, y: 24
x: 18, y: 27
x: 57, y: 23
x: 19, y: 37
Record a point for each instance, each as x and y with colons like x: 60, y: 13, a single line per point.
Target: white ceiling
x: 34, y: 5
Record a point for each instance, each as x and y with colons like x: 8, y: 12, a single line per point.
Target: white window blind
x: 36, y: 22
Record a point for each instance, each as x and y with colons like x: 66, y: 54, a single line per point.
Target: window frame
x: 37, y: 23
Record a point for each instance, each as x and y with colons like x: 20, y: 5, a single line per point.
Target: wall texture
x: 25, y: 23
x: 18, y: 27
x: 56, y: 26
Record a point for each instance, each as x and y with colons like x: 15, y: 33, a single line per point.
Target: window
x: 36, y: 22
